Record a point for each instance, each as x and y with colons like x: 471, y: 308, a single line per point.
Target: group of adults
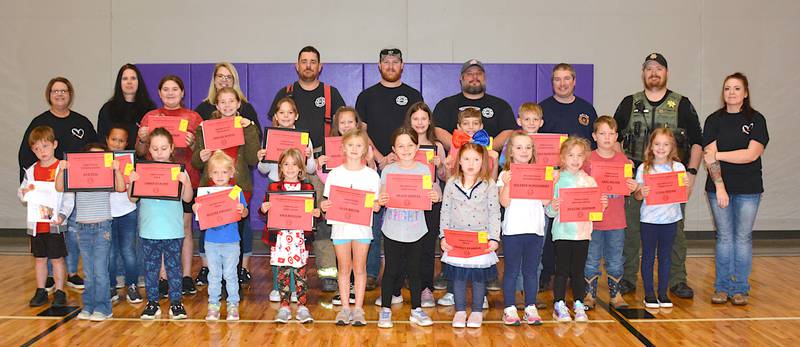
x: 731, y: 145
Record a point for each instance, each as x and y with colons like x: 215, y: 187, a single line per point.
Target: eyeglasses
x: 224, y: 77
x: 59, y: 91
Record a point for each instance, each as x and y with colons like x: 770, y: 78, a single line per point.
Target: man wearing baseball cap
x: 637, y: 116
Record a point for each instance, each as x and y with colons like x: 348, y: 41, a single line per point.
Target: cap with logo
x: 390, y: 52
x: 656, y: 57
x: 470, y: 63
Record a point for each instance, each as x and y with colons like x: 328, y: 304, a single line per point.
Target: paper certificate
x: 157, y: 181
x: 466, y: 244
x: 351, y: 206
x: 531, y: 181
x: 580, y: 205
x: 409, y: 192
x: 89, y: 171
x: 333, y: 150
x: 218, y: 208
x: 291, y: 210
x: 612, y: 177
x: 667, y: 188
x: 548, y: 147
x: 276, y: 140
x: 126, y: 160
x: 425, y: 155
x: 42, y: 202
x: 223, y: 133
x: 176, y: 126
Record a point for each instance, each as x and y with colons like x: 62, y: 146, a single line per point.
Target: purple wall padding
x: 584, y: 81
x: 412, y: 75
x: 439, y: 81
x: 152, y: 74
x: 201, y: 79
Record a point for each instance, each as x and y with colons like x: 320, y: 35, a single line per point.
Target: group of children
x: 466, y: 183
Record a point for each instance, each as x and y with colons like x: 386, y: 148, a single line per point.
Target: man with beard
x: 637, y: 115
x: 498, y: 117
x: 383, y: 108
x: 316, y: 104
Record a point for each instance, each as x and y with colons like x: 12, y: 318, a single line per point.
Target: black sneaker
x: 202, y: 277
x: 59, y: 299
x: 664, y: 301
x: 75, y: 281
x: 133, y: 295
x: 329, y: 284
x: 163, y: 288
x: 337, y: 299
x: 177, y: 312
x: 50, y: 284
x: 39, y: 298
x: 188, y: 286
x: 151, y: 311
x: 650, y: 301
x: 114, y: 295
x: 626, y: 287
x: 244, y: 276
x: 682, y: 291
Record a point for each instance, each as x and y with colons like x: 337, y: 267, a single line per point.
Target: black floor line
x: 52, y: 328
x: 643, y: 339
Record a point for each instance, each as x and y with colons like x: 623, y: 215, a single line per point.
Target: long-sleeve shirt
x: 474, y: 209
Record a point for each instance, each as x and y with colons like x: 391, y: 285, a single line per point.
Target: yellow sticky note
x: 483, y: 237
x: 595, y: 216
x: 548, y: 173
x: 304, y: 138
x: 128, y: 169
x: 561, y: 140
x: 629, y: 170
x: 491, y: 141
x: 426, y: 182
x: 108, y: 159
x: 681, y: 179
x: 369, y: 200
x: 309, y: 205
x: 237, y: 122
x: 184, y: 125
x: 175, y: 172
x: 429, y: 155
x: 234, y: 193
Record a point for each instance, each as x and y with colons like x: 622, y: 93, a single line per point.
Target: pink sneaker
x: 460, y: 319
x: 510, y: 316
x: 532, y: 316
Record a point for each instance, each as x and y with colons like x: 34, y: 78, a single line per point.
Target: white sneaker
x: 427, y: 298
x: 485, y: 302
x: 274, y: 296
x: 447, y: 300
x: 84, y: 315
x: 99, y: 316
x: 293, y: 298
x: 395, y: 300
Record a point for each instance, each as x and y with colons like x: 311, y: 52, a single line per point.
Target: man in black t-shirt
x: 498, y: 117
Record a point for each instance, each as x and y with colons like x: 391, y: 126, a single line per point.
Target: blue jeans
x: 72, y: 248
x: 734, y: 258
x: 657, y: 239
x: 124, y: 232
x: 94, y: 240
x: 222, y: 261
x: 605, y: 244
x: 374, y: 254
x: 521, y: 252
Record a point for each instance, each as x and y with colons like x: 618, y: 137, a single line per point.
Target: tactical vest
x: 645, y: 117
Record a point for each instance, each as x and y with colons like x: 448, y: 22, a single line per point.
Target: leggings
x: 657, y: 239
x: 401, y: 258
x: 570, y: 260
x: 285, y: 275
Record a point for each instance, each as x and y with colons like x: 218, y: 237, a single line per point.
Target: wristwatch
x: 692, y: 171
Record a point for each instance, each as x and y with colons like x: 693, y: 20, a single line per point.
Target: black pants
x: 570, y: 260
x: 428, y: 258
x: 401, y: 258
x: 548, y: 258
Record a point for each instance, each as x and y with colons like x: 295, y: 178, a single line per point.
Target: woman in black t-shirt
x: 127, y: 106
x: 734, y: 139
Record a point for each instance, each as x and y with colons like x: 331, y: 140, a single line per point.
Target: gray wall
x: 87, y: 41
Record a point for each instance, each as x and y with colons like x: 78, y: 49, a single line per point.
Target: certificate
x: 333, y: 150
x: 219, y: 208
x: 351, y: 206
x: 531, y: 181
x: 89, y: 171
x: 580, y: 205
x: 292, y: 210
x: 276, y: 140
x: 126, y: 160
x: 157, y: 180
x: 409, y: 192
x: 612, y: 177
x: 548, y: 148
x: 425, y: 155
x: 42, y: 202
x: 666, y: 188
x: 176, y: 126
x: 223, y: 133
x: 466, y: 244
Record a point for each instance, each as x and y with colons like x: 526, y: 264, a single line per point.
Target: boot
x: 591, y: 292
x: 616, y: 296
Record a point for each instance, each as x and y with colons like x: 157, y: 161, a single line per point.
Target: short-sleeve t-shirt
x: 614, y: 215
x: 404, y: 225
x: 522, y: 216
x: 311, y: 107
x: 659, y: 214
x: 363, y: 179
x: 227, y: 233
x: 575, y: 118
x: 733, y: 131
x: 497, y: 113
x: 384, y: 110
x: 160, y: 219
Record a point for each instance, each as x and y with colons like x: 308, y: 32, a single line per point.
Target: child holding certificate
x: 523, y: 235
x: 290, y: 244
x: 351, y: 241
x: 470, y: 130
x: 161, y: 232
x: 470, y: 204
x: 571, y: 238
x: 222, y: 242
x: 659, y: 223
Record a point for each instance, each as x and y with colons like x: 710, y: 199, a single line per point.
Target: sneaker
x: 588, y: 301
x: 618, y: 301
x: 233, y: 312
x: 580, y: 312
x: 739, y: 299
x: 446, y: 300
x: 151, y: 311
x: 337, y: 299
x: 532, y: 316
x: 303, y: 315
x: 440, y: 282
x: 188, y: 286
x: 163, y: 288
x: 395, y: 300
x: 493, y: 285
x: 419, y: 317
x: 202, y: 277
x: 650, y: 301
x: 510, y: 316
x: 244, y: 276
x: 133, y: 295
x: 120, y: 282
x: 357, y: 318
x: 177, y: 311
x: 561, y: 312
x: 59, y: 299
x: 385, y: 318
x: 427, y: 298
x: 343, y: 317
x: 475, y: 320
x: 275, y: 296
x: 460, y: 319
x: 99, y: 316
x: 75, y: 281
x: 84, y: 315
x: 372, y: 283
x: 682, y: 290
x: 39, y: 298
x: 719, y: 298
x: 626, y: 287
x: 485, y: 302
x: 284, y: 315
x: 213, y: 312
x: 293, y: 297
x: 50, y: 284
x: 664, y: 301
x: 114, y: 295
x: 329, y: 284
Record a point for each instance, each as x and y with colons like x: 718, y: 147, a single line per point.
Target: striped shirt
x: 92, y: 207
